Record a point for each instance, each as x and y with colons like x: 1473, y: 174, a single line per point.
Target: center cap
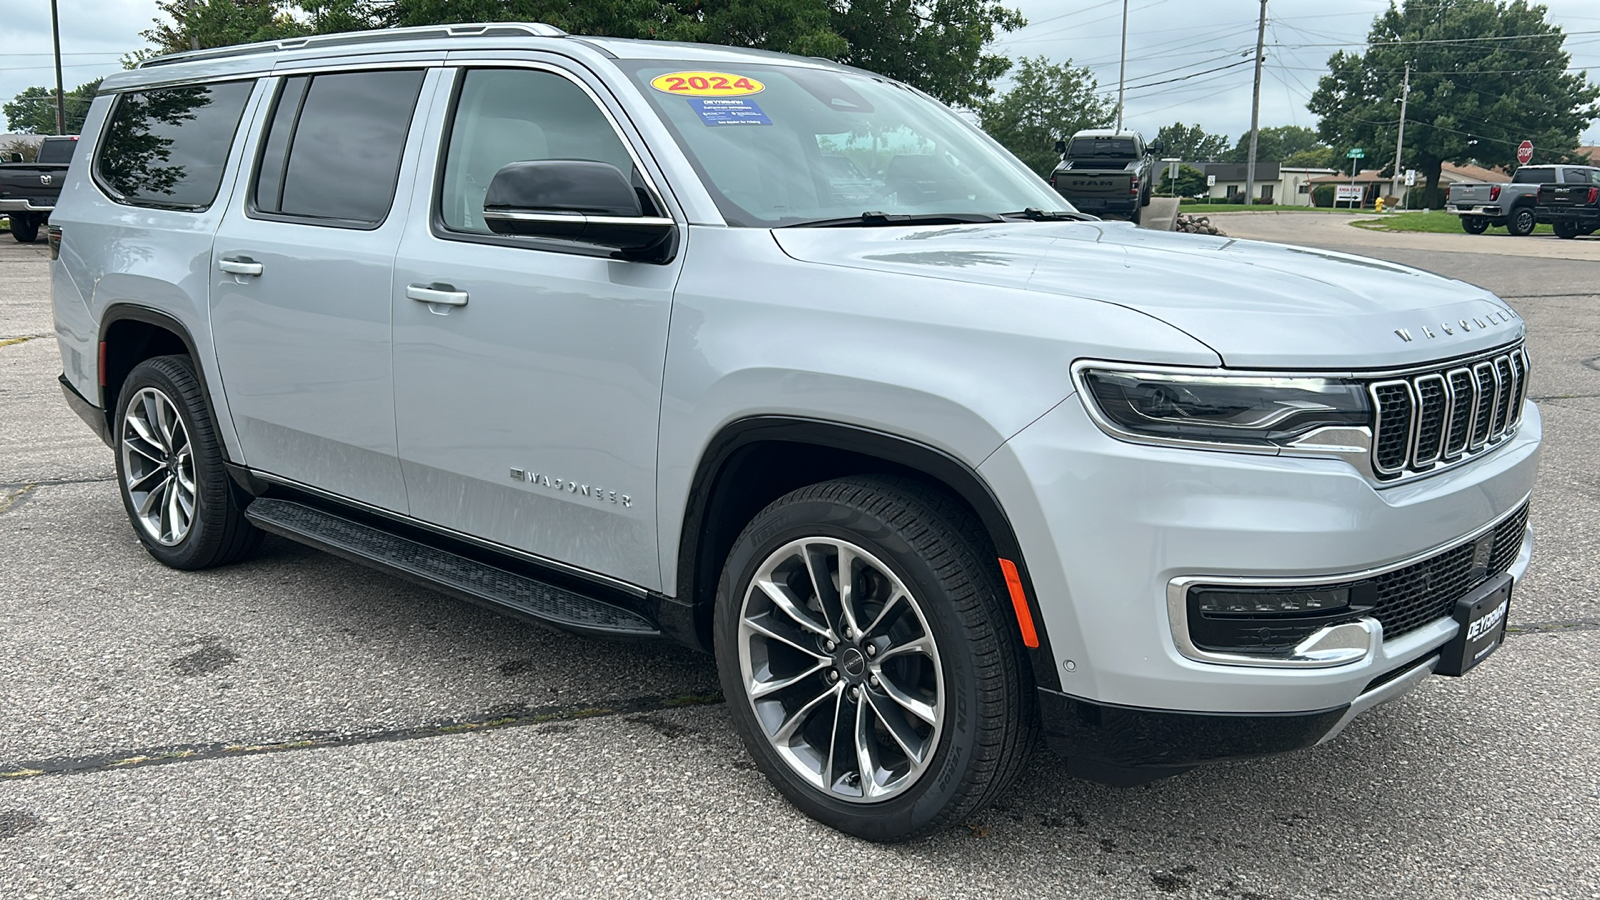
x: 853, y: 662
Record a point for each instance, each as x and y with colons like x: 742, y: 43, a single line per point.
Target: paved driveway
x: 298, y: 727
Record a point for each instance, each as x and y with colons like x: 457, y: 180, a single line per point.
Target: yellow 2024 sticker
x: 706, y: 84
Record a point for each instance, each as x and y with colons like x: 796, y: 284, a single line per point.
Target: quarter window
x: 512, y: 115
x: 169, y: 147
x: 333, y: 148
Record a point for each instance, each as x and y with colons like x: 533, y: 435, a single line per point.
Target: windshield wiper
x: 1035, y: 214
x: 876, y: 219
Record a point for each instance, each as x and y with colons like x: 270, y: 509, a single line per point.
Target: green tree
x: 34, y: 110
x: 936, y: 45
x: 1485, y: 76
x: 200, y: 24
x: 1275, y: 144
x: 1191, y: 182
x: 1192, y: 142
x: 1047, y: 102
x: 1318, y: 157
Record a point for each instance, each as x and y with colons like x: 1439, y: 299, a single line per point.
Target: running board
x: 449, y: 572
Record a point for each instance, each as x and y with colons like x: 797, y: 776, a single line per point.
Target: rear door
x: 301, y: 270
x: 528, y: 404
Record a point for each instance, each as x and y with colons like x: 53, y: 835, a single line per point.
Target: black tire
x: 1522, y: 221
x: 941, y: 556
x: 1566, y: 230
x: 1474, y: 224
x: 217, y: 532
x: 1137, y: 215
x: 25, y: 229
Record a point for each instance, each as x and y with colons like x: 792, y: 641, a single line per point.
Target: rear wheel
x: 1521, y: 221
x: 183, y: 505
x: 25, y: 229
x: 1474, y: 224
x: 1567, y: 230
x: 868, y: 662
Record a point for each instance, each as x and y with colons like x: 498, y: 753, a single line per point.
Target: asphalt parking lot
x: 298, y: 726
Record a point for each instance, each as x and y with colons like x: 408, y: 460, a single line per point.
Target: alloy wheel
x: 158, y: 466
x: 841, y: 669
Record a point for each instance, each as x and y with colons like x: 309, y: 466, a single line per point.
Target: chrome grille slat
x: 1443, y: 416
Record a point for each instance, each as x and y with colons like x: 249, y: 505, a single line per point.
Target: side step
x: 449, y: 572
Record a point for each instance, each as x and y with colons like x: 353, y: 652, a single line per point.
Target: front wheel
x: 1521, y: 221
x: 25, y: 229
x: 1474, y: 224
x: 183, y: 505
x: 869, y: 664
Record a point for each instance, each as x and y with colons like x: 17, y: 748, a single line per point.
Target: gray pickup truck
x: 1103, y: 171
x: 28, y: 190
x: 1512, y: 206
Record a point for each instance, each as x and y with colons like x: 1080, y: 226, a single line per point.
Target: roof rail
x: 350, y: 38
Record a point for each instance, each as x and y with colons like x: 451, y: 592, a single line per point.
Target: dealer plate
x: 1482, y: 615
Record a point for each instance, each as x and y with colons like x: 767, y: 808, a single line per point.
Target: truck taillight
x: 1494, y: 192
x: 1594, y: 195
x: 1052, y: 181
x: 1133, y: 185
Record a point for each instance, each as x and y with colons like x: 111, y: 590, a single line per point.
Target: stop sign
x: 1525, y: 153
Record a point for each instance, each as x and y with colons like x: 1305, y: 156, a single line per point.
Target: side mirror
x: 574, y: 200
x: 1061, y: 147
x: 1158, y: 147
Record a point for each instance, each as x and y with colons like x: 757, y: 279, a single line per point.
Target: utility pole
x: 1122, y: 70
x: 1400, y: 143
x: 61, y: 105
x: 1255, y: 108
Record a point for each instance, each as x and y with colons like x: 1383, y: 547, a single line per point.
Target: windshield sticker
x: 718, y: 111
x: 706, y: 84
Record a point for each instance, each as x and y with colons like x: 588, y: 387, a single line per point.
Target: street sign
x: 1411, y: 178
x: 1211, y: 181
x: 1356, y: 153
x: 1347, y: 193
x: 1525, y: 153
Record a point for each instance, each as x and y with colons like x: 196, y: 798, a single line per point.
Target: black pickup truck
x: 1572, y: 205
x: 28, y: 191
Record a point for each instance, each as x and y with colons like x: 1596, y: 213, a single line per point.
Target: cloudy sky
x: 1206, y: 43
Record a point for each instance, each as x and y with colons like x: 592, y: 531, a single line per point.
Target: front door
x: 527, y: 371
x: 301, y: 276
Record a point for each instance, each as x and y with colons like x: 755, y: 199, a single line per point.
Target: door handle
x: 436, y: 293
x: 239, y: 265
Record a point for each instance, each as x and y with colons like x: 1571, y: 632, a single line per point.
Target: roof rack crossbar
x: 350, y: 38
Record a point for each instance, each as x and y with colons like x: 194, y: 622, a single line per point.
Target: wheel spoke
x: 152, y: 423
x: 922, y: 645
x: 888, y: 614
x: 136, y: 484
x: 847, y: 587
x: 792, y: 724
x: 919, y: 708
x: 894, y: 722
x: 783, y: 600
x: 822, y: 588
x: 142, y: 430
x: 164, y: 416
x: 759, y: 689
x: 866, y: 763
x: 170, y: 512
x: 771, y: 627
x: 154, y: 497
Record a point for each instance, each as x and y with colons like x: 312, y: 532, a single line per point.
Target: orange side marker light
x: 1019, y: 602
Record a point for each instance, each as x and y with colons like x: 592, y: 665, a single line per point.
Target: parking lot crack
x: 1561, y: 627
x: 7, y: 342
x: 522, y: 717
x: 11, y: 497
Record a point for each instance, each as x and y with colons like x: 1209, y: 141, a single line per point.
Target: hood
x: 1258, y: 305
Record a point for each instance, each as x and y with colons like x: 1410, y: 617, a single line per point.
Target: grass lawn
x: 1200, y: 208
x: 1436, y: 222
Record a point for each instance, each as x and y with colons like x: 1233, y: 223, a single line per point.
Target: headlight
x: 1253, y: 412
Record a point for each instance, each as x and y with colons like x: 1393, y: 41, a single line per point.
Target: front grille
x: 1423, y: 592
x: 1439, y: 417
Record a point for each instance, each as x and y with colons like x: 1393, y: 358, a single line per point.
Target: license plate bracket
x: 1482, y: 616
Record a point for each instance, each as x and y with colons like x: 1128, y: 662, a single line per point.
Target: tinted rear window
x: 1539, y: 175
x: 1104, y: 148
x: 58, y: 151
x: 334, y: 146
x: 169, y: 147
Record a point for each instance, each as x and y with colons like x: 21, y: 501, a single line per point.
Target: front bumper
x: 1108, y: 526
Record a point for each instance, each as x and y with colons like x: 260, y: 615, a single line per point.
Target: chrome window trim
x: 1178, y: 598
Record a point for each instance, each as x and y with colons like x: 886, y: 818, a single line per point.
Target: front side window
x: 168, y: 148
x: 515, y: 115
x: 792, y: 145
x: 333, y: 148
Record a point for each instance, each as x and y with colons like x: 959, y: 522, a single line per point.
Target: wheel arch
x: 755, y: 460
x: 129, y: 335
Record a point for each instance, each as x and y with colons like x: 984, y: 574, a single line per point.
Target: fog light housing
x: 1268, y: 621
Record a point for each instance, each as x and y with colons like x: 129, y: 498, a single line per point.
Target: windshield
x: 790, y: 145
x: 1101, y: 148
